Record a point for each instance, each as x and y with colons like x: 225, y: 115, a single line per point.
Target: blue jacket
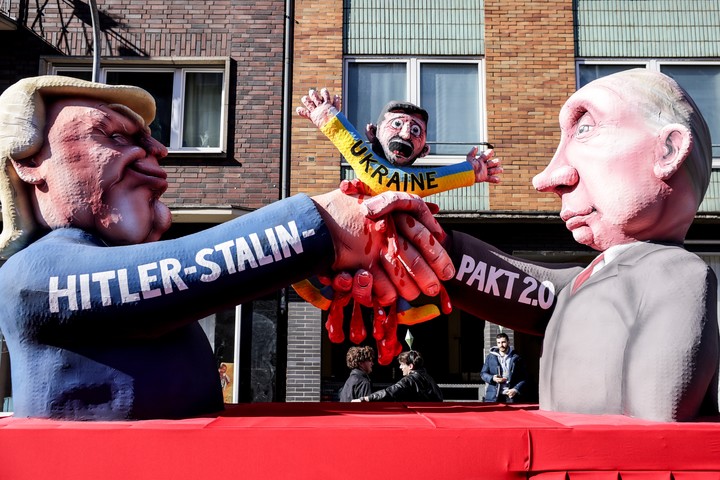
x: 516, y: 375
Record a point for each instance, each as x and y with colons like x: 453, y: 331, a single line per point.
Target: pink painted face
x: 98, y: 170
x: 403, y: 137
x: 603, y: 169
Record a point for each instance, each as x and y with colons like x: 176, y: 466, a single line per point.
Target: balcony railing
x: 466, y: 199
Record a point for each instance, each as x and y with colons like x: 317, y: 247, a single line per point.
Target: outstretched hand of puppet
x: 486, y: 166
x: 319, y: 107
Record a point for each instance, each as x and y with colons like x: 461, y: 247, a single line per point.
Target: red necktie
x: 585, y: 274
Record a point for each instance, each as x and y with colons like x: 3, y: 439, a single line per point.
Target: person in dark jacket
x: 503, y: 372
x: 415, y: 386
x: 358, y: 384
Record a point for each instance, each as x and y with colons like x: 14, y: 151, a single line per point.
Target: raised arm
x: 377, y: 173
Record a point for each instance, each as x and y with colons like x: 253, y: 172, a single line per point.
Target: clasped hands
x: 387, y: 246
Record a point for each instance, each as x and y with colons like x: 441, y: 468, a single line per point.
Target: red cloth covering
x: 364, y: 440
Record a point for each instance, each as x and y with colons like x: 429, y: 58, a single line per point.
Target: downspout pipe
x: 287, y: 109
x: 95, y: 17
x: 287, y: 97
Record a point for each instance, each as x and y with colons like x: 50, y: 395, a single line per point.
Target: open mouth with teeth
x: 400, y: 148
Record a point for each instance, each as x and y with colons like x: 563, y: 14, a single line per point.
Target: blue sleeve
x: 485, y: 373
x: 69, y: 283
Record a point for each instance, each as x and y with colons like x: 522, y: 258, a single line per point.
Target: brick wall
x: 317, y: 63
x: 303, y: 353
x: 530, y: 69
x: 530, y: 72
x: 249, y: 32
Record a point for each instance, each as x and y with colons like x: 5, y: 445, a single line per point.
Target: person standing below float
x: 503, y: 372
x: 358, y: 384
x: 415, y: 386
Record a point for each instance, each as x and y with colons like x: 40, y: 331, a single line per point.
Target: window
x: 191, y: 100
x: 700, y: 79
x: 587, y: 72
x: 450, y: 90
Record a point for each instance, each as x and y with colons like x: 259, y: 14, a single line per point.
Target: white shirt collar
x: 612, y: 253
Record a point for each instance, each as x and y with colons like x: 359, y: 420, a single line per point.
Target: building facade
x: 227, y: 75
x: 216, y: 71
x: 492, y: 71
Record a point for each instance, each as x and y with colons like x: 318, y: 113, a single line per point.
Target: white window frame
x: 413, y: 65
x: 652, y: 64
x: 179, y: 68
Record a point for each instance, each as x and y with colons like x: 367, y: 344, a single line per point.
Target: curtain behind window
x: 450, y: 94
x: 370, y: 87
x: 203, y: 97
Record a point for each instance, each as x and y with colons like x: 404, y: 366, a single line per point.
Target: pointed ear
x: 371, y: 132
x: 27, y: 170
x: 673, y: 147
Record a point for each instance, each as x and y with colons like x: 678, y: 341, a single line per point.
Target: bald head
x: 633, y: 162
x: 662, y: 101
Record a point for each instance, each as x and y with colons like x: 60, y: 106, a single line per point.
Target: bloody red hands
x: 411, y: 261
x: 358, y: 288
x: 354, y: 187
x: 427, y: 234
x: 347, y: 287
x: 385, y: 333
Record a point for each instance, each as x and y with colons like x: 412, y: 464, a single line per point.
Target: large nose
x: 154, y: 148
x: 405, y: 130
x: 557, y: 177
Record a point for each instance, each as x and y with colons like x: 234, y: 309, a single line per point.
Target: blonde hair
x: 22, y: 134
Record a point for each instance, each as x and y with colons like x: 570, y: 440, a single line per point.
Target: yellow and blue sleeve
x: 382, y: 176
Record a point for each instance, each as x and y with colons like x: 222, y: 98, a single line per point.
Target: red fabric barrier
x: 332, y: 440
